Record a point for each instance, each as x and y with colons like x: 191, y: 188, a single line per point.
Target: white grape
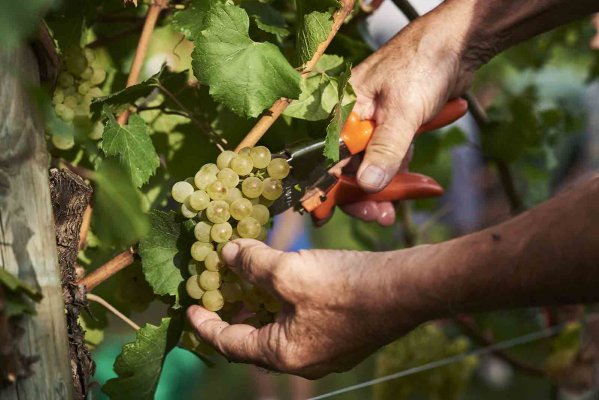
x: 260, y: 156
x: 188, y: 212
x: 203, y: 178
x: 181, y: 190
x: 278, y: 168
x: 272, y: 189
x: 218, y: 211
x: 213, y: 300
x: 242, y: 165
x: 198, y: 200
x: 228, y: 177
x: 241, y: 208
x: 261, y: 213
x: 249, y: 227
x: 221, y: 232
x: 199, y: 250
x: 224, y: 159
x: 210, y: 280
x: 213, y: 262
x: 252, y: 187
x: 217, y: 190
x: 202, y: 231
x: 192, y: 286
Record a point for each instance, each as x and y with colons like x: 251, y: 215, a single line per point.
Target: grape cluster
x: 229, y: 200
x: 77, y: 86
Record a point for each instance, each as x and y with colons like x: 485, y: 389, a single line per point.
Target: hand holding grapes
x: 334, y: 312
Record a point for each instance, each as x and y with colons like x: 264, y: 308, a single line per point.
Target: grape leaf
x: 340, y: 114
x: 190, y: 21
x: 131, y: 143
x: 267, y: 18
x: 118, y: 218
x: 319, y: 92
x: 165, y: 252
x: 244, y: 75
x: 20, y: 19
x: 140, y: 363
x: 314, y: 23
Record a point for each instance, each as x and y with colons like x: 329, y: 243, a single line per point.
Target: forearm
x: 499, y: 24
x: 548, y: 255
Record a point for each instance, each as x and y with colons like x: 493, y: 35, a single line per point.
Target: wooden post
x: 27, y: 236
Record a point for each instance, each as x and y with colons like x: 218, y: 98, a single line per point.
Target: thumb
x: 389, y: 145
x: 252, y: 259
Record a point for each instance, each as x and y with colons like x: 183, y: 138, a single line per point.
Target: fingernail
x: 372, y: 176
x: 229, y: 252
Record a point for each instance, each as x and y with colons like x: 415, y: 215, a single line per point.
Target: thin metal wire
x: 517, y: 341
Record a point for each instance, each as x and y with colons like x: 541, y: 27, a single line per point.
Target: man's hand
x: 335, y: 310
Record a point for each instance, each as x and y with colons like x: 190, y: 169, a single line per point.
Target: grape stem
x: 275, y: 111
x: 112, y: 309
x: 87, y: 218
x: 107, y: 270
x: 142, y: 48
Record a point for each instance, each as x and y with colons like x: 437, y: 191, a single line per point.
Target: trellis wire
x: 517, y: 341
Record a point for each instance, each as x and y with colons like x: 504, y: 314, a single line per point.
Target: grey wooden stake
x: 27, y: 236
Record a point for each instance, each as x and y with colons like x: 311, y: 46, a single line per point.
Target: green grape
x: 199, y: 250
x: 260, y: 156
x: 242, y: 165
x: 233, y: 194
x: 220, y: 233
x: 198, y: 200
x: 273, y: 189
x: 246, y: 151
x: 265, y: 202
x: 63, y: 142
x: 76, y: 63
x: 181, y: 190
x: 218, y: 211
x: 70, y: 101
x: 65, y: 112
x: 210, y: 168
x: 249, y: 227
x: 228, y: 177
x: 192, y: 286
x: 217, y: 190
x: 194, y: 267
x: 263, y: 234
x: 188, y: 212
x: 209, y: 280
x: 278, y: 168
x: 58, y: 96
x: 241, y: 208
x: 213, y: 261
x: 261, y: 213
x: 98, y: 76
x: 203, y: 178
x: 81, y: 110
x: 89, y: 54
x: 96, y: 132
x: 95, y: 92
x: 66, y: 80
x: 255, y: 200
x: 87, y: 73
x: 83, y: 88
x: 213, y: 300
x: 252, y: 187
x: 224, y: 159
x: 202, y: 231
x: 231, y: 291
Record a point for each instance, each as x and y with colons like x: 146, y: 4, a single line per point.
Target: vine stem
x: 110, y: 307
x: 275, y: 111
x: 87, y: 218
x: 142, y: 48
x: 107, y: 270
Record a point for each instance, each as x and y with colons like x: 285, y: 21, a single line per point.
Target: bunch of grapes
x: 78, y: 85
x: 229, y: 200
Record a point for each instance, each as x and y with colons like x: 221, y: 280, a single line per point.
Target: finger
x: 239, y: 343
x: 364, y: 210
x: 254, y: 260
x: 387, y: 148
x: 386, y: 213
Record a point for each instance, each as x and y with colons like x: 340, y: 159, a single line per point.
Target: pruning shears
x: 310, y: 186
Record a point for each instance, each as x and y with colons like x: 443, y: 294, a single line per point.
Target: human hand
x: 337, y: 309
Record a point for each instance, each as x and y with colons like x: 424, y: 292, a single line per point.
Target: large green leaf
x: 190, y: 21
x: 314, y: 23
x: 20, y: 19
x: 118, y: 216
x: 244, y: 75
x: 319, y: 91
x: 340, y: 115
x: 140, y: 363
x: 132, y: 145
x: 165, y: 252
x: 267, y: 18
